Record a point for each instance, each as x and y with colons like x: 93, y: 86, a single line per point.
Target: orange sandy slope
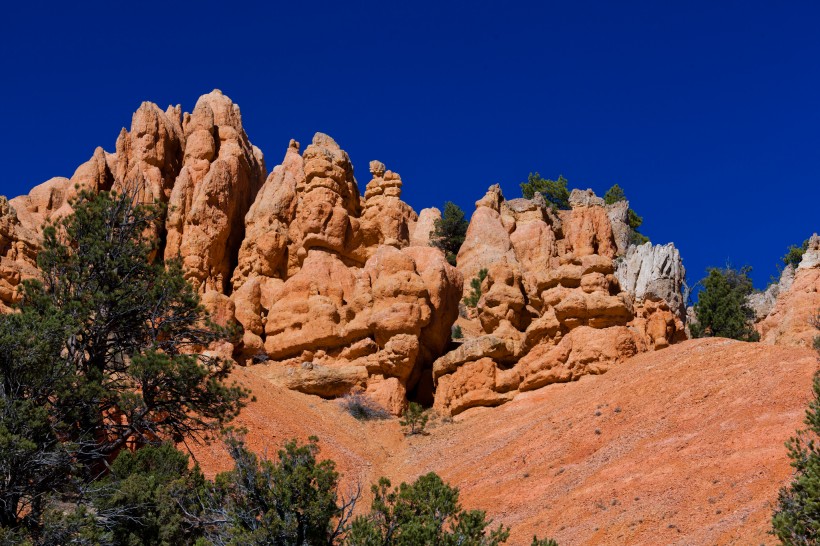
x: 680, y: 446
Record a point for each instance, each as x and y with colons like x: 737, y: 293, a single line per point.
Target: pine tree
x: 794, y: 254
x: 34, y: 460
x: 137, y: 328
x: 722, y: 309
x: 449, y: 231
x: 614, y: 195
x: 102, y: 353
x: 424, y: 512
x: 555, y: 192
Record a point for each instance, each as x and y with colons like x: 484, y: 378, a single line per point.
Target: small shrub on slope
x: 424, y: 512
x: 414, y: 419
x: 794, y: 254
x: 363, y: 408
x: 475, y: 287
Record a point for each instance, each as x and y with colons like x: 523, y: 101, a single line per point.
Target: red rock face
x: 325, y: 283
x: 328, y: 288
x: 551, y: 307
x: 791, y: 320
x: 338, y: 291
x: 220, y: 177
x: 18, y: 251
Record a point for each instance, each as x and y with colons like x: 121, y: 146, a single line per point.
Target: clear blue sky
x: 707, y: 113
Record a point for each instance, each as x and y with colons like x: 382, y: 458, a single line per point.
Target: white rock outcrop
x: 653, y: 272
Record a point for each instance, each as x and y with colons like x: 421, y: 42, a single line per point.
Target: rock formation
x: 18, y: 252
x: 654, y: 273
x: 220, y: 176
x: 552, y: 306
x: 329, y: 290
x: 790, y: 319
x: 334, y: 291
x: 337, y: 291
x: 762, y: 303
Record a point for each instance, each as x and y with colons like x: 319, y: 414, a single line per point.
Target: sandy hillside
x: 680, y: 446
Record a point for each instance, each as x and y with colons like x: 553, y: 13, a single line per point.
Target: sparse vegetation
x: 543, y: 542
x: 148, y: 498
x: 414, y: 419
x: 555, y: 192
x: 363, y: 408
x: 293, y: 500
x: 794, y: 255
x: 614, y: 194
x: 457, y: 333
x: 449, y: 231
x: 475, y: 289
x: 722, y: 309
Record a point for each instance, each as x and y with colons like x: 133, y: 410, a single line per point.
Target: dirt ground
x: 682, y: 446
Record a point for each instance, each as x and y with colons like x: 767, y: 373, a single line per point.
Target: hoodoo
x: 337, y: 292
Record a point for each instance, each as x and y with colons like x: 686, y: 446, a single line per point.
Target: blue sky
x: 706, y: 113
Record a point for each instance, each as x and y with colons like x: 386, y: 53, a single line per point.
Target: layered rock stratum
x: 338, y: 291
x: 564, y: 296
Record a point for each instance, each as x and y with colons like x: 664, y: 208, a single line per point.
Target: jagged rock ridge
x: 337, y: 291
x: 330, y: 292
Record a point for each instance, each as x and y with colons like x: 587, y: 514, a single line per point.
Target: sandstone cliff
x: 338, y: 291
x: 201, y: 164
x: 552, y: 307
x: 331, y: 294
x: 18, y: 252
x: 789, y: 322
x: 335, y: 291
